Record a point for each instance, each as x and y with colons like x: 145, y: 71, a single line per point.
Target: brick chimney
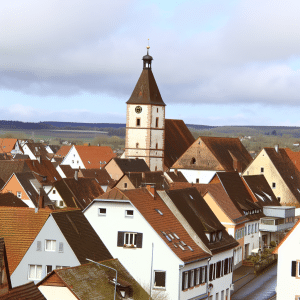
x: 151, y: 189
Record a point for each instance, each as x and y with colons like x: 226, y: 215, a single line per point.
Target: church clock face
x: 138, y: 109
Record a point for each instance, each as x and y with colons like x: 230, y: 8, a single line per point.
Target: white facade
x: 197, y: 176
x: 28, y: 152
x: 73, y: 160
x: 54, y: 196
x: 251, y: 237
x: 138, y: 260
x: 145, y: 130
x: 59, y: 253
x: 57, y: 292
x: 288, y: 267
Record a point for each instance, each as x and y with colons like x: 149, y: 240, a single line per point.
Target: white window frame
x: 203, y: 275
x: 52, y: 245
x: 192, y: 282
x: 35, y: 272
x: 128, y: 236
x: 46, y: 269
x: 129, y: 215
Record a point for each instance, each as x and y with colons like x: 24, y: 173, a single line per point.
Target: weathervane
x: 148, y: 47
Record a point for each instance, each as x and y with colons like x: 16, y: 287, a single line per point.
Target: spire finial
x: 148, y: 47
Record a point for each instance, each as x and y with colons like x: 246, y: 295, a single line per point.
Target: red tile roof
x: 92, y: 155
x: 7, y: 145
x: 63, y: 151
x: 19, y: 226
x: 294, y: 156
x: 178, y: 139
x: 168, y: 223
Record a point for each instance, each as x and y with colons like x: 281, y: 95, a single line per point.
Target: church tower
x: 145, y: 123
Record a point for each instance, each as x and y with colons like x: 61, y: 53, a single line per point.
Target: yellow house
x: 280, y: 173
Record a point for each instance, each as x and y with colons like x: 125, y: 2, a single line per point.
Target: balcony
x: 274, y: 224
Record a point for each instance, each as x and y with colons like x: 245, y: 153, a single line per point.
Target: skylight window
x: 175, y: 245
x: 260, y: 197
x: 89, y: 162
x: 183, y: 243
x: 177, y: 237
x: 190, y: 248
x: 171, y: 236
x: 168, y: 238
x: 191, y: 196
x: 157, y: 210
x: 268, y: 196
x: 181, y: 247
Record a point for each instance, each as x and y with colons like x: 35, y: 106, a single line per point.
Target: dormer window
x: 220, y: 235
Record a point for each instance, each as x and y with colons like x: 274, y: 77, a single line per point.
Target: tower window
x: 156, y: 146
x: 138, y: 122
x: 137, y: 145
x: 157, y: 109
x: 156, y: 122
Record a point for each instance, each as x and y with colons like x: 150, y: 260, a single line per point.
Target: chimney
x: 176, y: 172
x: 76, y: 175
x: 151, y: 189
x: 276, y: 148
x: 40, y: 203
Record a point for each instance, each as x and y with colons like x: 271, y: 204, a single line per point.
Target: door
x: 246, y: 250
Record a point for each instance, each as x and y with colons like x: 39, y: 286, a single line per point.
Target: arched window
x: 193, y: 161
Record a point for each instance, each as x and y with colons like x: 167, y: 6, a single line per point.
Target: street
x: 260, y: 288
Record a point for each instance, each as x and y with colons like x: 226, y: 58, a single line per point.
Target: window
x: 262, y: 170
x: 197, y: 281
x: 246, y: 230
x: 54, y: 192
x: 256, y: 227
x: 185, y: 280
x: 19, y: 195
x: 252, y: 231
x: 38, y: 246
x: 129, y: 213
x: 138, y: 122
x: 193, y: 161
x: 72, y: 161
x: 197, y: 180
x: 203, y: 275
x: 61, y: 267
x: 61, y: 247
x: 192, y: 283
x: 102, y: 211
x: 48, y: 269
x: 156, y: 122
x: 61, y: 203
x: 217, y: 296
x: 249, y: 228
x: 157, y: 110
x: 278, y: 198
x: 156, y: 146
x: 130, y: 239
x: 125, y: 185
x: 273, y: 185
x: 35, y: 272
x: 137, y: 145
x: 227, y: 294
x: 50, y: 245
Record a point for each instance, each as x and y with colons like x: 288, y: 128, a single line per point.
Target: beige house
x: 280, y: 173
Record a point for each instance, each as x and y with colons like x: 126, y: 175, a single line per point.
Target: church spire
x: 147, y: 58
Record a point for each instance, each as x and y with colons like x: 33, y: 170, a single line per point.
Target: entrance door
x: 265, y: 240
x: 246, y: 250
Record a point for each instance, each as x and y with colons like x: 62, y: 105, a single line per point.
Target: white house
x: 288, y: 266
x: 151, y: 243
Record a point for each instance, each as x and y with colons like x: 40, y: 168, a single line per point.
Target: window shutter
x: 218, y: 271
x: 120, y: 242
x: 222, y: 264
x: 38, y: 246
x: 205, y: 279
x: 61, y: 247
x: 294, y: 268
x: 211, y: 272
x: 139, y: 240
x: 226, y: 266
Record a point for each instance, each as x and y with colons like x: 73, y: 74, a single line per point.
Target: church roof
x: 146, y: 90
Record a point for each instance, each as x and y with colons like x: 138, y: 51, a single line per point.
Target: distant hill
x: 89, y: 125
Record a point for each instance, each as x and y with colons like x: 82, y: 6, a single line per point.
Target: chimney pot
x: 277, y: 148
x: 151, y: 189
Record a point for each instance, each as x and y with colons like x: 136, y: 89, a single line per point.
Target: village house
x: 208, y: 155
x: 75, y: 192
x: 10, y: 146
x: 37, y: 151
x: 147, y: 233
x: 280, y: 172
x: 88, y: 157
x: 27, y: 188
x: 47, y: 240
x: 191, y: 210
x: 96, y: 280
x: 288, y: 266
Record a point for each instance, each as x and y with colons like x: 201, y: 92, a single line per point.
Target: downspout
x: 180, y: 280
x: 207, y: 275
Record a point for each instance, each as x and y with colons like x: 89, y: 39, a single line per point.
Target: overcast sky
x: 216, y: 62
